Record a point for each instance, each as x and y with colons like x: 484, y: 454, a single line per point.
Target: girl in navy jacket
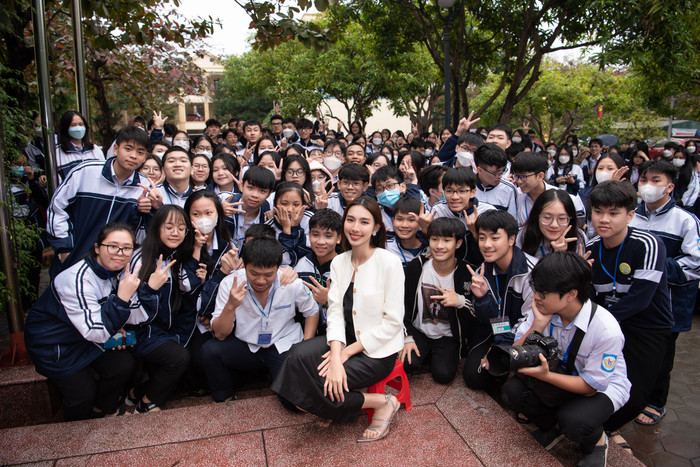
x: 84, y: 306
x: 172, y: 245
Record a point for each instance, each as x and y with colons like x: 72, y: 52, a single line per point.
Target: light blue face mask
x: 389, y: 198
x: 17, y: 171
x: 442, y: 198
x: 76, y: 132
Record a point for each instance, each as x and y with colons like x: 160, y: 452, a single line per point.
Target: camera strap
x: 576, y: 343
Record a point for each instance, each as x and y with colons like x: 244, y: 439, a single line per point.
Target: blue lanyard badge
x: 265, y: 334
x: 617, y: 259
x: 500, y: 324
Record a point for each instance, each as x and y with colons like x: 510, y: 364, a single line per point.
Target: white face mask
x: 603, y: 176
x: 679, y: 162
x: 691, y: 149
x: 37, y: 130
x: 428, y: 152
x: 206, y: 224
x: 287, y: 133
x: 651, y: 193
x: 205, y: 153
x: 564, y: 159
x: 332, y: 163
x: 465, y: 158
x: 517, y: 139
x: 183, y: 143
x: 377, y: 141
x: 169, y: 140
x: 575, y: 152
x: 552, y: 152
x: 316, y: 185
x: 668, y: 153
x: 159, y: 154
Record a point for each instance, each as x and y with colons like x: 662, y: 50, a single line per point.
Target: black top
x: 347, y: 311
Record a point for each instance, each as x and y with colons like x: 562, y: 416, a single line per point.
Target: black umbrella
x: 608, y: 140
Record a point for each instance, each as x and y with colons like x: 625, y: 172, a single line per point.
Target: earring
x: 374, y: 234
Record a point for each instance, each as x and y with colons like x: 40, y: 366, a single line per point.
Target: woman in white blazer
x: 364, y: 334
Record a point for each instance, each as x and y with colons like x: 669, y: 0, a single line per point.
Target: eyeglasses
x: 495, y: 174
x: 295, y: 173
x: 320, y: 178
x: 116, y: 249
x: 389, y: 186
x: 150, y: 170
x: 180, y: 229
x: 562, y: 221
x: 200, y: 166
x: 522, y: 177
x: 348, y: 183
x: 461, y: 192
x: 203, y: 148
x: 334, y: 153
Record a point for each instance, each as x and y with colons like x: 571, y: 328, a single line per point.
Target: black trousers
x: 299, y: 383
x: 644, y: 353
x: 580, y: 418
x: 194, y: 378
x: 223, y: 361
x: 165, y: 365
x: 442, y: 353
x: 476, y: 377
x: 81, y: 391
x: 663, y: 383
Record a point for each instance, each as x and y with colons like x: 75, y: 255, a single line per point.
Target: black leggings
x: 81, y: 391
x: 580, y: 418
x: 165, y: 365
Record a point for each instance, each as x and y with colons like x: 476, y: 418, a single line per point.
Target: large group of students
x: 320, y: 258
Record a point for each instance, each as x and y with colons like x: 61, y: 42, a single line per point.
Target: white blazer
x: 378, y: 302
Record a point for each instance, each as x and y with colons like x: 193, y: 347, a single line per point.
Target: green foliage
x: 12, y: 139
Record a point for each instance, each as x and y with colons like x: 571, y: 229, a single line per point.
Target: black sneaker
x: 596, y: 458
x: 548, y: 439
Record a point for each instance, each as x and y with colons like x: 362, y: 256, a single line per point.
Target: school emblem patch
x: 609, y: 361
x: 625, y: 268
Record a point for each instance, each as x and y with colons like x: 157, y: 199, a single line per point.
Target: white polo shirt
x: 282, y: 302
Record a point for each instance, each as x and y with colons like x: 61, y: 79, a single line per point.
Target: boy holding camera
x: 581, y: 391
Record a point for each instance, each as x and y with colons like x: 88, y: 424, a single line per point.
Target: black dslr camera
x: 503, y: 358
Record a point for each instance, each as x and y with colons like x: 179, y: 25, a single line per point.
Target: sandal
x: 131, y: 400
x: 142, y: 407
x: 522, y: 419
x: 387, y: 421
x: 655, y: 417
x: 616, y: 437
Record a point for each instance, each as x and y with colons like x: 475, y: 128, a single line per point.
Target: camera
x: 504, y: 358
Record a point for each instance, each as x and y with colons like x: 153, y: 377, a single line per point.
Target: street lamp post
x: 446, y: 20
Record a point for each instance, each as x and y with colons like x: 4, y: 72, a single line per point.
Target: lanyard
x: 398, y: 244
x: 260, y: 308
x: 542, y: 251
x: 321, y: 280
x: 498, y: 296
x: 566, y: 355
x: 600, y: 258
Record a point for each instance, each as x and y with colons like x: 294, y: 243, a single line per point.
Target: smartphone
x: 119, y: 339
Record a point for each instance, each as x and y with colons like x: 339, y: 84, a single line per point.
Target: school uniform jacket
x: 502, y: 196
x: 206, y: 298
x: 164, y: 323
x: 296, y: 244
x: 517, y: 301
x: 680, y: 232
x: 463, y: 323
x: 640, y: 281
x: 237, y: 220
x: 378, y: 309
x: 89, y: 198
x: 68, y: 160
x: 469, y: 250
x: 80, y: 311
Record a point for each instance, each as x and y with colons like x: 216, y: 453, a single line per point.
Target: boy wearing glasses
x: 353, y: 180
x: 459, y: 185
x: 94, y: 194
x: 529, y: 170
x: 491, y: 188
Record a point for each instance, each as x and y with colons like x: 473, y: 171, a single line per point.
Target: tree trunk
x: 104, y: 123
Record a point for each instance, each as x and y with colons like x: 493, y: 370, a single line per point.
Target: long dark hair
x: 307, y: 170
x: 533, y: 237
x: 685, y: 172
x: 221, y: 231
x: 557, y: 164
x: 153, y: 247
x: 378, y: 240
x: 63, y: 136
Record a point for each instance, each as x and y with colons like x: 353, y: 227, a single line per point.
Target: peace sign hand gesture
x: 129, y: 283
x: 237, y: 293
x: 425, y: 218
x: 319, y: 292
x: 321, y: 201
x: 561, y: 243
x: 230, y: 208
x: 160, y: 275
x: 154, y: 196
x: 448, y: 298
x: 479, y: 285
x: 466, y: 123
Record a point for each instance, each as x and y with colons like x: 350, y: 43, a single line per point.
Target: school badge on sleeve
x: 609, y: 362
